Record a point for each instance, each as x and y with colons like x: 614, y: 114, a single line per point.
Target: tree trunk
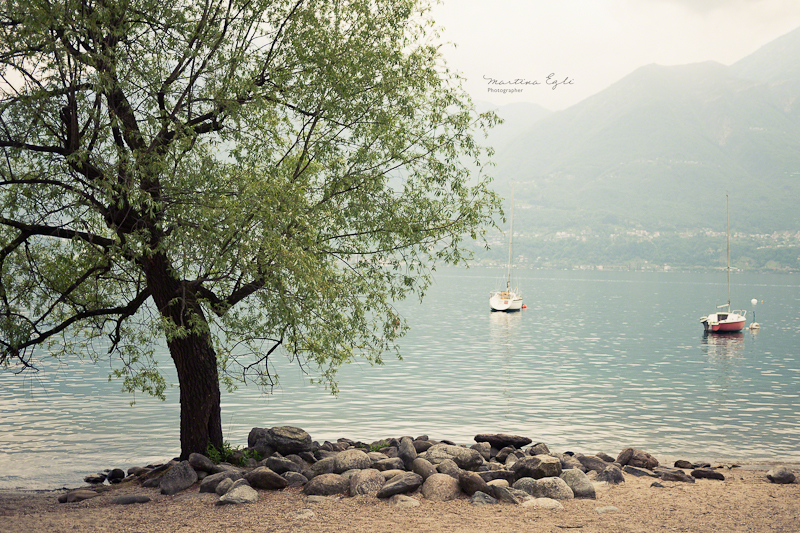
x: 194, y: 357
x: 201, y: 419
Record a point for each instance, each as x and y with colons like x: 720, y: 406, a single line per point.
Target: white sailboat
x: 726, y: 321
x: 508, y: 299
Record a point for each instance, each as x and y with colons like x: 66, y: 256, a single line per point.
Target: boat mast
x: 510, y: 239
x: 728, y: 231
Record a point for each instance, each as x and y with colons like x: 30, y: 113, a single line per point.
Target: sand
x: 744, y: 501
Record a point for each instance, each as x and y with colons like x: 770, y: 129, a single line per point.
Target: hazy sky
x: 594, y: 43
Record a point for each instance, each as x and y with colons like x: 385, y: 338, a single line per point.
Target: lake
x: 597, y: 362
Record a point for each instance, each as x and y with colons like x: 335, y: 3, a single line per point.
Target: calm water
x: 599, y: 361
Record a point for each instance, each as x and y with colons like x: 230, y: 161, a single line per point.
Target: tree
x: 238, y: 178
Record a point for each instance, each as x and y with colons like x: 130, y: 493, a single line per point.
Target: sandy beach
x: 744, y: 501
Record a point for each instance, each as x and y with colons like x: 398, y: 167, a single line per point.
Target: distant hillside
x: 660, y: 149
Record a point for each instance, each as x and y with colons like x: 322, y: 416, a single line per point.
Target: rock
x: 389, y: 474
x: 376, y: 456
x: 224, y: 486
x: 422, y: 445
x: 326, y: 485
x: 78, y: 495
x: 544, y: 503
x: 115, y: 476
x: 294, y: 479
x: 680, y: 463
x: 537, y: 467
x: 503, y: 454
x: 400, y: 484
x: 676, y: 475
x: 407, y: 452
x: 501, y: 440
x: 612, y: 475
x: 592, y: 462
x: 508, y: 495
x: 482, y: 498
x: 579, y: 483
x: 472, y: 482
x: 781, y: 475
x: 137, y: 471
x: 491, y: 475
x: 540, y: 448
x: 483, y: 448
x: 281, y: 465
x: 323, y: 466
x: 569, y: 461
x: 201, y: 462
x: 636, y: 457
x: 401, y: 501
x: 707, y: 473
x: 95, y: 479
x: 130, y: 499
x: 422, y: 467
x: 605, y: 457
x: 548, y: 487
x: 606, y: 509
x: 265, y: 479
x: 284, y: 439
x: 366, y: 481
x: 638, y: 472
x: 394, y: 463
x: 209, y: 483
x: 352, y: 459
x: 239, y: 494
x: 449, y: 467
x: 441, y: 487
x: 180, y: 477
x: 463, y: 457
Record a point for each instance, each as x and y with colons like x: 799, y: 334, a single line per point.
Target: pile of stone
x: 498, y: 468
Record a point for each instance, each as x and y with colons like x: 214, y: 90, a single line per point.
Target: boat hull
x: 505, y: 301
x: 723, y: 322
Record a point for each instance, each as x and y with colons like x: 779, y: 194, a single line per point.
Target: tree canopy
x: 237, y: 178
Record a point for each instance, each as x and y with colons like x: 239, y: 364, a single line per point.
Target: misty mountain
x: 660, y: 148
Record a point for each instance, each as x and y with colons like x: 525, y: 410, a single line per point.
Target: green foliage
x: 263, y: 177
x: 219, y: 455
x: 227, y: 454
x: 377, y: 446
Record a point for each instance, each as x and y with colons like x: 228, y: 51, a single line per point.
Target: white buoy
x: 754, y: 324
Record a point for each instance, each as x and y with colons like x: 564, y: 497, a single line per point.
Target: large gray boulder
x: 781, y: 475
x: 449, y: 467
x: 284, y: 439
x: 239, y: 493
x: 472, y: 482
x: 636, y: 457
x: 201, y: 462
x: 422, y: 467
x: 180, y: 477
x: 548, y: 487
x: 537, y: 467
x: 326, y: 485
x: 281, y: 465
x: 352, y: 459
x: 499, y: 441
x: 579, y: 482
x: 209, y: 483
x: 366, y: 481
x: 400, y: 484
x: 612, y: 475
x: 407, y: 452
x: 441, y: 487
x: 592, y: 462
x: 465, y: 458
x: 265, y: 479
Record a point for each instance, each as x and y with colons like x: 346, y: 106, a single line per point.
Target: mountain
x: 660, y: 148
